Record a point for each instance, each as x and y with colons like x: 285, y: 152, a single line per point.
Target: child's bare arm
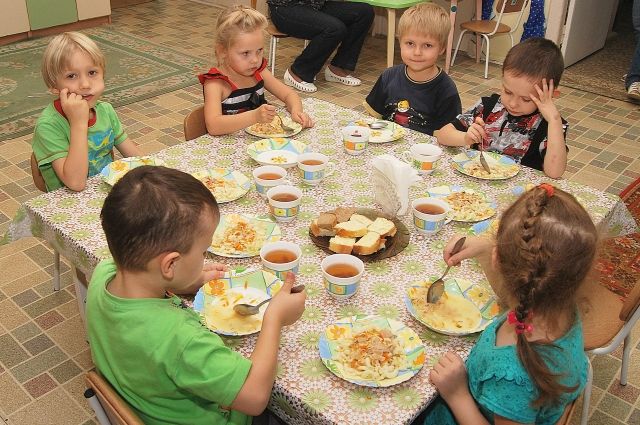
x: 284, y: 309
x: 555, y: 160
x: 288, y: 96
x: 451, y: 136
x: 129, y: 148
x: 73, y: 169
x: 219, y: 124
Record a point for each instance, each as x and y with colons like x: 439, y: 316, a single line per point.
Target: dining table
x: 305, y: 391
x: 391, y: 6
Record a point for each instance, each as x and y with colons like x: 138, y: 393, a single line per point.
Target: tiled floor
x: 43, y: 352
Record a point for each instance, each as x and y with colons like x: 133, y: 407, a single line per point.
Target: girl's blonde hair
x: 237, y: 20
x: 59, y: 51
x: 428, y: 19
x: 546, y: 246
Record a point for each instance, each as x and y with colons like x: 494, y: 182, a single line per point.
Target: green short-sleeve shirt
x: 161, y: 359
x: 52, y: 136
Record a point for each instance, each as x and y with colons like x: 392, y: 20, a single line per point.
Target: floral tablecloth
x: 305, y: 391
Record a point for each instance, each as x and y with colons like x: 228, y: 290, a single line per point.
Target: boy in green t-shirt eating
x: 153, y: 350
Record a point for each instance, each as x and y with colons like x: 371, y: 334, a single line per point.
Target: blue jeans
x: 342, y: 23
x: 633, y: 76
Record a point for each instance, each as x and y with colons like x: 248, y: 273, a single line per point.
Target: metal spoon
x: 437, y: 287
x: 250, y: 310
x: 285, y: 127
x: 483, y: 161
x: 377, y: 125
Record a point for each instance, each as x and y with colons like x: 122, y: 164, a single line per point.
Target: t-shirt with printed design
x: 52, y: 136
x: 524, y: 138
x: 160, y: 358
x: 422, y: 106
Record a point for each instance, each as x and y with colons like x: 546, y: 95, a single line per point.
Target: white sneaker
x: 634, y: 90
x: 348, y: 80
x: 299, y: 85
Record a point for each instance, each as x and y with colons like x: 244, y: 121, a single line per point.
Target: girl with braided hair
x: 529, y: 364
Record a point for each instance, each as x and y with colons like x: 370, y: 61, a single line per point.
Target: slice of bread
x: 318, y: 231
x: 327, y: 221
x: 361, y: 219
x: 383, y: 227
x: 344, y: 213
x: 368, y: 244
x: 341, y: 245
x: 351, y: 229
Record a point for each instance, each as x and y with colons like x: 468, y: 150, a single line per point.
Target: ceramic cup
x: 271, y: 171
x: 429, y: 214
x: 314, y: 167
x: 284, y: 210
x: 276, y: 258
x: 355, y: 139
x: 349, y: 267
x: 423, y: 157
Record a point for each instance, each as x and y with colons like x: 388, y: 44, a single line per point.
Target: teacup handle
x: 406, y: 157
x: 331, y: 168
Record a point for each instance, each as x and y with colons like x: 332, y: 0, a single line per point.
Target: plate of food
x: 366, y: 233
x: 466, y: 204
x: 117, y: 169
x: 215, y: 301
x: 274, y: 128
x: 490, y: 225
x: 242, y: 235
x: 464, y: 308
x: 225, y: 184
x: 277, y: 151
x: 390, y: 133
x: 371, y: 351
x: 502, y: 167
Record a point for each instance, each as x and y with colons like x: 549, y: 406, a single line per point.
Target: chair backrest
x: 194, y: 125
x: 38, y: 180
x: 567, y: 414
x: 631, y: 303
x: 116, y: 409
x: 510, y: 6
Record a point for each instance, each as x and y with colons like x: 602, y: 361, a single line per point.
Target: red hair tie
x: 548, y: 188
x: 521, y: 327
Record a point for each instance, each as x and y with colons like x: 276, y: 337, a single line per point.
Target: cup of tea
x: 268, y: 176
x: 284, y: 202
x: 423, y: 157
x: 429, y: 214
x: 341, y: 274
x: 314, y: 167
x: 280, y: 257
x: 355, y: 139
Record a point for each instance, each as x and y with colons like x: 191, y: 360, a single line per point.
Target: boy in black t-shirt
x: 418, y: 94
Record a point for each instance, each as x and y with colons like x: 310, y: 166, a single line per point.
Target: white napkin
x: 391, y: 180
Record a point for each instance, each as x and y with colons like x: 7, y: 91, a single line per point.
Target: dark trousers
x: 341, y: 23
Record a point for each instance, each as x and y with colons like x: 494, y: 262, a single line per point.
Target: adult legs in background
x: 632, y: 82
x: 337, y: 23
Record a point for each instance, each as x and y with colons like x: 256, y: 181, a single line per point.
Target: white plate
x: 297, y: 128
x: 284, y: 159
x: 238, y: 183
x: 268, y: 231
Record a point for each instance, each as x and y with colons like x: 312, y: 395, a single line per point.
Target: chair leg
x: 586, y: 397
x: 455, y: 53
x: 272, y: 53
x: 511, y: 37
x: 81, y: 292
x: 93, y: 401
x: 626, y: 352
x: 56, y: 270
x: 486, y: 63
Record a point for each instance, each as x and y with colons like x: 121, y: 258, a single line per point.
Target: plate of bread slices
x: 366, y: 233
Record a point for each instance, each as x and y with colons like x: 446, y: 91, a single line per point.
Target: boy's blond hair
x: 58, y: 54
x: 427, y: 19
x: 237, y: 20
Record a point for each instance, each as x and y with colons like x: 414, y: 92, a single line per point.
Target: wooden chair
x: 273, y: 44
x: 109, y: 407
x: 607, y: 322
x: 489, y: 28
x: 194, y: 125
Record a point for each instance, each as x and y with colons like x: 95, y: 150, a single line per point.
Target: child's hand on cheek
x: 449, y: 376
x: 212, y: 271
x: 74, y: 106
x: 544, y: 101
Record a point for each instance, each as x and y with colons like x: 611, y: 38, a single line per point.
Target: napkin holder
x: 385, y: 193
x: 391, y: 181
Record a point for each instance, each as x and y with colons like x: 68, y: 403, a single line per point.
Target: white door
x: 586, y: 28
